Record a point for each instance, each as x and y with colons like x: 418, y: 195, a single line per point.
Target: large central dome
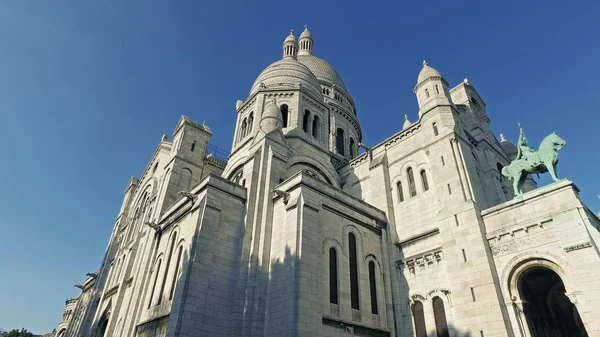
x: 322, y: 70
x: 288, y: 73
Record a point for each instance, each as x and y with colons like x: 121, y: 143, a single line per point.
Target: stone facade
x: 297, y: 234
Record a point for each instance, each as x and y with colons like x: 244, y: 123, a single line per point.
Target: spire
x: 306, y: 42
x: 290, y: 46
x: 425, y: 64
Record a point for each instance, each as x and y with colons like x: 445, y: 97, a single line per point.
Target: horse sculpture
x: 530, y: 161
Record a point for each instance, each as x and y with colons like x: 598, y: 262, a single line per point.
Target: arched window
x: 284, y: 115
x: 373, y: 288
x: 400, y: 191
x: 426, y: 93
x: 243, y: 130
x: 411, y: 182
x: 352, y: 153
x: 250, y: 122
x: 353, y: 272
x: 441, y: 325
x: 419, y: 318
x: 437, y: 89
x: 339, y: 141
x: 333, y: 276
x: 475, y: 103
x: 424, y: 180
x: 169, y: 256
x: 157, y: 271
x: 435, y: 129
x: 185, y: 179
x: 315, y: 127
x: 176, y: 273
x: 305, y: 120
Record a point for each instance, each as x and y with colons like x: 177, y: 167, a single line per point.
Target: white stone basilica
x: 297, y: 234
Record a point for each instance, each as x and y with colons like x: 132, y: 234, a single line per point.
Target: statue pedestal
x: 550, y: 229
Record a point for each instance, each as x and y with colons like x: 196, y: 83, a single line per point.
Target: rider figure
x: 524, y: 151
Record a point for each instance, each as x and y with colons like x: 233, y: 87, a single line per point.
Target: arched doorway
x: 547, y: 309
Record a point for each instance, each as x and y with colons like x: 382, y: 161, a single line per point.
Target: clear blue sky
x: 87, y: 88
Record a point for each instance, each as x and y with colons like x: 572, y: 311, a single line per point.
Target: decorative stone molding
x: 422, y: 261
x: 520, y: 237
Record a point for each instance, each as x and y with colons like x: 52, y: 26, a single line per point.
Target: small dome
x: 306, y: 33
x: 287, y: 73
x: 509, y: 148
x: 290, y: 38
x: 427, y: 72
x: 407, y: 123
x: 322, y: 70
x: 271, y: 118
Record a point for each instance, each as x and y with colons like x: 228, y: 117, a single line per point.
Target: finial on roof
x: 424, y: 63
x: 165, y: 137
x: 291, y: 32
x: 502, y: 139
x: 407, y: 123
x: 466, y: 81
x: 306, y: 27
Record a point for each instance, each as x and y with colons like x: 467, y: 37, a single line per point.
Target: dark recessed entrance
x: 548, y: 311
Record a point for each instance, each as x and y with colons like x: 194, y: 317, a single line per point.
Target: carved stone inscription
x: 506, y: 244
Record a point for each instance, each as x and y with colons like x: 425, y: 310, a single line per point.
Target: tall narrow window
x: 243, y: 131
x: 352, y: 152
x: 426, y: 92
x: 176, y: 273
x: 333, y: 276
x: 305, y: 120
x: 435, y: 129
x: 353, y: 272
x: 193, y: 146
x: 441, y: 326
x: 437, y: 89
x: 315, y: 127
x: 424, y: 180
x: 400, y: 192
x: 250, y: 122
x: 373, y: 288
x: 284, y: 115
x: 339, y: 141
x: 419, y: 318
x: 411, y: 182
x: 157, y: 271
x: 162, y: 287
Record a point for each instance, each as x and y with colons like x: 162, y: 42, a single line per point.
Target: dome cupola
x: 290, y: 47
x: 305, y: 42
x: 431, y: 89
x: 427, y: 72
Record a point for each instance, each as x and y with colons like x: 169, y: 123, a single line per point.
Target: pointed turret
x: 271, y: 118
x: 306, y: 42
x: 290, y: 46
x: 431, y: 89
